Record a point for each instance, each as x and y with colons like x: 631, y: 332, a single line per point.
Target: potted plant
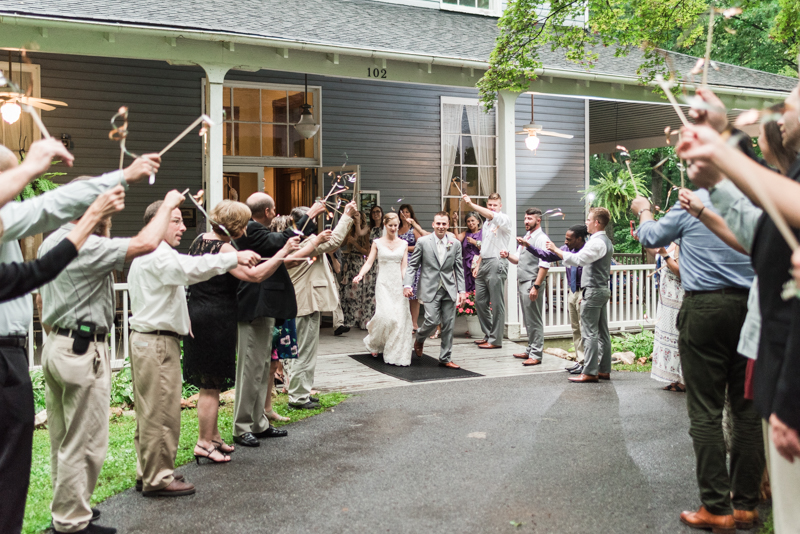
x: 468, y: 310
x: 42, y: 184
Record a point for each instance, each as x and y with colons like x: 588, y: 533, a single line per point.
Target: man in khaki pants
x: 79, y: 307
x: 315, y: 290
x: 160, y: 317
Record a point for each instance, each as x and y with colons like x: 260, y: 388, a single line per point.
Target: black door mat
x: 421, y: 369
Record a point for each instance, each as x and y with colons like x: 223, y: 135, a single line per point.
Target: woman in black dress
x: 209, y: 353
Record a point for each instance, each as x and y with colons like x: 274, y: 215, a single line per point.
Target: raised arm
x: 36, y: 162
x: 367, y: 264
x: 266, y: 268
x: 485, y: 212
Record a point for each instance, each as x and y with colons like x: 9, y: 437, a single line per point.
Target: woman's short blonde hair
x: 391, y: 216
x: 233, y: 215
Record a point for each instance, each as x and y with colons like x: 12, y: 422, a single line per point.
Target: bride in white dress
x: 390, y: 327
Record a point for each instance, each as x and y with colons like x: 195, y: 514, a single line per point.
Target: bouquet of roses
x: 468, y: 308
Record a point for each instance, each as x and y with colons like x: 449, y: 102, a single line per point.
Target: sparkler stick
x: 22, y: 104
x: 208, y: 217
x: 624, y: 152
x: 666, y: 86
x: 202, y: 118
x: 39, y: 124
x: 709, y: 40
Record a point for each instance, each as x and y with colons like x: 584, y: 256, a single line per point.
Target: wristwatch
x: 537, y: 286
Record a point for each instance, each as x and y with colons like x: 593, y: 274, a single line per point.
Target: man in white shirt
x: 492, y: 272
x: 160, y: 317
x: 531, y: 276
x: 595, y: 258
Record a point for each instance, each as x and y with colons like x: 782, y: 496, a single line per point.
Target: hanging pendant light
x: 307, y: 127
x: 9, y: 110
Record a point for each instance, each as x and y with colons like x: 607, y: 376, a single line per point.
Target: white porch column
x: 215, y: 77
x: 507, y: 187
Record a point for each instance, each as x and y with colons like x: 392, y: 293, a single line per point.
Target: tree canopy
x: 762, y: 37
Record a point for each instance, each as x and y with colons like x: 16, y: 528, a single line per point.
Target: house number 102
x: 376, y: 73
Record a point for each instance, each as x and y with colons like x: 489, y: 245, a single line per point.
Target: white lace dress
x: 390, y: 327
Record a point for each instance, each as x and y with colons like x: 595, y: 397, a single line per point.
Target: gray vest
x: 596, y: 274
x: 528, y: 266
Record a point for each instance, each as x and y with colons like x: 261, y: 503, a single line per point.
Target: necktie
x: 440, y: 248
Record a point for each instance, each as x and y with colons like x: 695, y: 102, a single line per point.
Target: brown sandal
x: 677, y: 387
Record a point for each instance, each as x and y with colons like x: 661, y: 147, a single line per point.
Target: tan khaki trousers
x: 156, y: 373
x: 77, y: 397
x: 301, y: 370
x: 784, y: 477
x: 574, y: 307
x: 252, y: 376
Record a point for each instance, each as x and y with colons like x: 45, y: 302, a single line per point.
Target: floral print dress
x: 666, y: 358
x: 410, y: 238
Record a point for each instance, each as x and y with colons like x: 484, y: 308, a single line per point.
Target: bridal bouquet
x: 468, y: 308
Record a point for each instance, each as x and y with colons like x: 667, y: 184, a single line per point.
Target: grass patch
x: 119, y: 469
x: 635, y: 368
x: 769, y: 525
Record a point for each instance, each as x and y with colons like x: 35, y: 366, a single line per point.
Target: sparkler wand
x: 208, y: 217
x: 666, y: 87
x: 709, y: 40
x: 202, y: 118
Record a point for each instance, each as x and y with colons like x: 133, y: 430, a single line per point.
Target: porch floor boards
x: 336, y: 371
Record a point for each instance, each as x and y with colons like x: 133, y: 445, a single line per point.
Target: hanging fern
x: 615, y: 192
x: 40, y: 185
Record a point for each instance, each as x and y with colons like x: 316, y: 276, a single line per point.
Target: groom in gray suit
x: 441, y: 285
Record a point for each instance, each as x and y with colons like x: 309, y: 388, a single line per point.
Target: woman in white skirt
x: 666, y: 358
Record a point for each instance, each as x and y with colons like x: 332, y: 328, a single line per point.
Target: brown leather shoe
x: 418, y: 347
x: 450, y: 365
x: 175, y: 474
x: 488, y: 346
x: 480, y: 341
x: 719, y: 524
x: 521, y: 355
x: 531, y: 361
x: 583, y: 378
x: 604, y: 376
x: 176, y: 488
x: 745, y: 520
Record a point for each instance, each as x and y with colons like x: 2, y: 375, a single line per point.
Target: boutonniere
x: 449, y: 244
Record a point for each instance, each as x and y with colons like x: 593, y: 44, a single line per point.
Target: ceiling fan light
x: 307, y: 127
x: 532, y: 142
x: 11, y: 112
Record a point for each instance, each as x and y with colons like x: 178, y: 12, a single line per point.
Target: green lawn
x: 119, y: 470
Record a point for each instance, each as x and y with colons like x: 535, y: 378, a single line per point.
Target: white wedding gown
x: 390, y: 327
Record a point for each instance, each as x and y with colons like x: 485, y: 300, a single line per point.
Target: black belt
x: 161, y: 333
x: 97, y: 338
x: 14, y: 341
x: 723, y: 291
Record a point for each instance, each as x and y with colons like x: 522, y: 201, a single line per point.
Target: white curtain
x: 480, y: 126
x: 451, y: 127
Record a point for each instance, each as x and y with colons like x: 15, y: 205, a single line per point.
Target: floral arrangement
x: 468, y: 308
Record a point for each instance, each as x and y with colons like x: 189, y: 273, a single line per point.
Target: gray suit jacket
x: 450, y: 272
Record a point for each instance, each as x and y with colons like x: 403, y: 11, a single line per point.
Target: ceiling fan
x: 533, y: 129
x: 10, y: 100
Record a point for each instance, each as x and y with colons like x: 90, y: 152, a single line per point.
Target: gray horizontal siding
x: 552, y: 177
x: 162, y: 100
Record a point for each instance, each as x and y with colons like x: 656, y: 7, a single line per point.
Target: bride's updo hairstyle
x: 391, y: 216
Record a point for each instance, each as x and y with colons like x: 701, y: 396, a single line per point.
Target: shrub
x: 640, y: 344
x: 468, y: 308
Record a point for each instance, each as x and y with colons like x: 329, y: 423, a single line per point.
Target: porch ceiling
x: 635, y: 125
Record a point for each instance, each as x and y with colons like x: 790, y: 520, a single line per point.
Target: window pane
x: 273, y: 106
x: 483, y: 4
x: 470, y: 175
x: 299, y: 147
x: 248, y: 138
x: 227, y: 139
x: 450, y: 1
x: 453, y: 206
x: 465, y: 121
x: 451, y: 189
x: 246, y: 105
x: 274, y: 140
x: 469, y: 150
x: 295, y: 103
x: 487, y: 175
x: 226, y: 103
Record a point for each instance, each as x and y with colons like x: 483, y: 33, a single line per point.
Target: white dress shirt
x: 156, y: 286
x: 495, y: 236
x: 593, y: 250
x: 538, y: 239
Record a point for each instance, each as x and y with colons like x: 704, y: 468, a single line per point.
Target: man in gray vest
x: 595, y: 258
x: 531, y: 276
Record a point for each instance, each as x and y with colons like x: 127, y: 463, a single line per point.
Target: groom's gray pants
x: 489, y: 284
x: 532, y: 315
x: 442, y: 310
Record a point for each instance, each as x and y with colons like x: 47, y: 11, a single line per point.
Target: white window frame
x: 466, y: 102
x: 235, y: 162
x: 494, y: 8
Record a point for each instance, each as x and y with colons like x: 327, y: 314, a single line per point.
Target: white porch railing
x: 119, y: 351
x: 632, y: 304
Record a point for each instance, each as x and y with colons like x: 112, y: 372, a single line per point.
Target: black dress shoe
x: 577, y: 365
x: 341, y: 330
x: 313, y: 399
x: 578, y: 370
x: 248, y: 439
x: 95, y: 516
x: 96, y: 529
x: 307, y: 406
x: 271, y: 432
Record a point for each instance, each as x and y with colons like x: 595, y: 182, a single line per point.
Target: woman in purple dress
x: 471, y: 247
x: 409, y: 231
